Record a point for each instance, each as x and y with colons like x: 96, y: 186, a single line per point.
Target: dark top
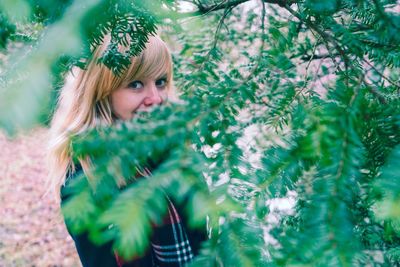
x: 172, y: 243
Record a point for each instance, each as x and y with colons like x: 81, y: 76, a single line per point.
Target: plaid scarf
x: 172, y: 242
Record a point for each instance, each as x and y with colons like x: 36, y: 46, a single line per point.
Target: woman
x: 96, y: 97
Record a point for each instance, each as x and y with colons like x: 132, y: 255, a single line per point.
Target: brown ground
x: 32, y: 232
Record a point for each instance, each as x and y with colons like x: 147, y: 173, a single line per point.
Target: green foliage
x: 324, y: 7
x: 69, y: 33
x: 6, y: 30
x: 296, y: 98
x: 127, y: 22
x: 388, y: 207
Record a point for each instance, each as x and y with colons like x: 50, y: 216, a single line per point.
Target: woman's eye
x: 161, y: 82
x: 136, y: 85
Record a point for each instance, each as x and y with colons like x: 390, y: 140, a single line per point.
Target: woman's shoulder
x: 70, y: 178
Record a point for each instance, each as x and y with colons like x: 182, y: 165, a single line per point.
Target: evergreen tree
x: 316, y: 83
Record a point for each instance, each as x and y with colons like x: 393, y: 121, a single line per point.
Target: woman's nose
x: 153, y: 96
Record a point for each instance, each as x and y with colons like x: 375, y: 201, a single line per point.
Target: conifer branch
x: 381, y: 74
x: 375, y: 92
x: 204, y: 10
x: 381, y: 12
x: 216, y: 34
x: 312, y: 57
x: 326, y: 37
x: 246, y: 79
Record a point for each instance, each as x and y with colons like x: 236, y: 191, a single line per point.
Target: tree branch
x: 325, y: 36
x: 202, y: 10
x: 381, y: 98
x: 381, y: 74
x: 245, y: 79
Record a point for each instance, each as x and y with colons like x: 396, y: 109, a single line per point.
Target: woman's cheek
x: 135, y: 104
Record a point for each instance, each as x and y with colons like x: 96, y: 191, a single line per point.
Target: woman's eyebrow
x: 137, y: 80
x: 163, y: 76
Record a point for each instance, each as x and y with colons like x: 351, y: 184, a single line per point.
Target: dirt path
x: 32, y: 232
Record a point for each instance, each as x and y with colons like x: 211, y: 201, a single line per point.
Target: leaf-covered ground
x: 32, y: 232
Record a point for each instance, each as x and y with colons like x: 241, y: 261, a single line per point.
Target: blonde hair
x: 84, y: 101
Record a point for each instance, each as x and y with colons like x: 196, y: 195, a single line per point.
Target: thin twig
x: 381, y: 74
x: 215, y: 41
x: 308, y: 65
x: 216, y: 34
x: 325, y: 36
x: 247, y: 78
x: 381, y: 98
x: 204, y: 10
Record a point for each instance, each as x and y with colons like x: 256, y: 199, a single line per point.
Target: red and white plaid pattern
x: 170, y: 244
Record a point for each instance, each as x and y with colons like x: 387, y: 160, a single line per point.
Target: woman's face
x: 138, y: 96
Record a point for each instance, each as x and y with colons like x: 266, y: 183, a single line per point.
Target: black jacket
x: 173, y: 243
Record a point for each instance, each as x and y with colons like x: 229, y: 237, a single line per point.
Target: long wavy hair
x: 84, y: 101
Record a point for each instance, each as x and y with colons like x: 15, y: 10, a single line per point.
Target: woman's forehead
x: 151, y: 70
x: 158, y: 75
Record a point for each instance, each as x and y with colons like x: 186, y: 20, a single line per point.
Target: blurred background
x: 31, y: 227
x: 294, y: 145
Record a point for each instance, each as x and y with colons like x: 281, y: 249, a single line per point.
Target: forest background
x: 284, y: 101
